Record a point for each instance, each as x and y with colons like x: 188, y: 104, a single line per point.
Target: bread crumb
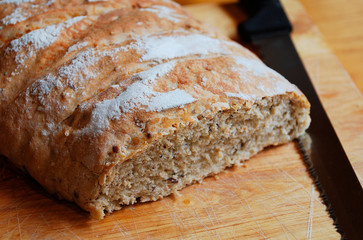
x: 177, y: 193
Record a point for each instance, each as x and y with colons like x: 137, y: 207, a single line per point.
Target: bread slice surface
x: 110, y: 103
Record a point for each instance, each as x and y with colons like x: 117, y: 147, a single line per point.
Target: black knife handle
x: 266, y: 19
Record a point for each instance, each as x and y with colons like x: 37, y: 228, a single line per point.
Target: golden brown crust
x: 85, y: 85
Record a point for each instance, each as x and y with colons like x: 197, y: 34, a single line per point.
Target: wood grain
x: 271, y: 197
x: 340, y: 23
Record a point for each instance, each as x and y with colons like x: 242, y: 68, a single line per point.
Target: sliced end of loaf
x: 202, y: 149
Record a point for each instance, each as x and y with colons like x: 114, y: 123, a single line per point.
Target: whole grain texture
x: 109, y: 103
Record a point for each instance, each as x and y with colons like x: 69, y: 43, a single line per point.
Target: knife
x: 268, y: 30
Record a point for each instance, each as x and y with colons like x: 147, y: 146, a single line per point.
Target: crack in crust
x: 86, y: 87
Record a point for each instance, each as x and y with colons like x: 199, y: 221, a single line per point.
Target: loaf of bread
x: 109, y: 103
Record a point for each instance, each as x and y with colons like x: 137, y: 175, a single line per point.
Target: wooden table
x: 341, y: 25
x: 273, y: 196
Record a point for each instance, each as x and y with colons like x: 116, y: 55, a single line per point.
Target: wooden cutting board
x: 272, y: 196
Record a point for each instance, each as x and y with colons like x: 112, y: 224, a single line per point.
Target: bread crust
x: 85, y: 86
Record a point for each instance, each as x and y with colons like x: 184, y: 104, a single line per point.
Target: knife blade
x: 268, y: 30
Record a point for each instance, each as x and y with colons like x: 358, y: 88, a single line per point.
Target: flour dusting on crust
x: 18, y: 15
x: 138, y: 95
x: 159, y: 48
x: 15, y: 1
x: 172, y: 99
x: 39, y: 39
x: 76, y: 47
x: 249, y: 97
x: 73, y: 75
x: 164, y: 12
